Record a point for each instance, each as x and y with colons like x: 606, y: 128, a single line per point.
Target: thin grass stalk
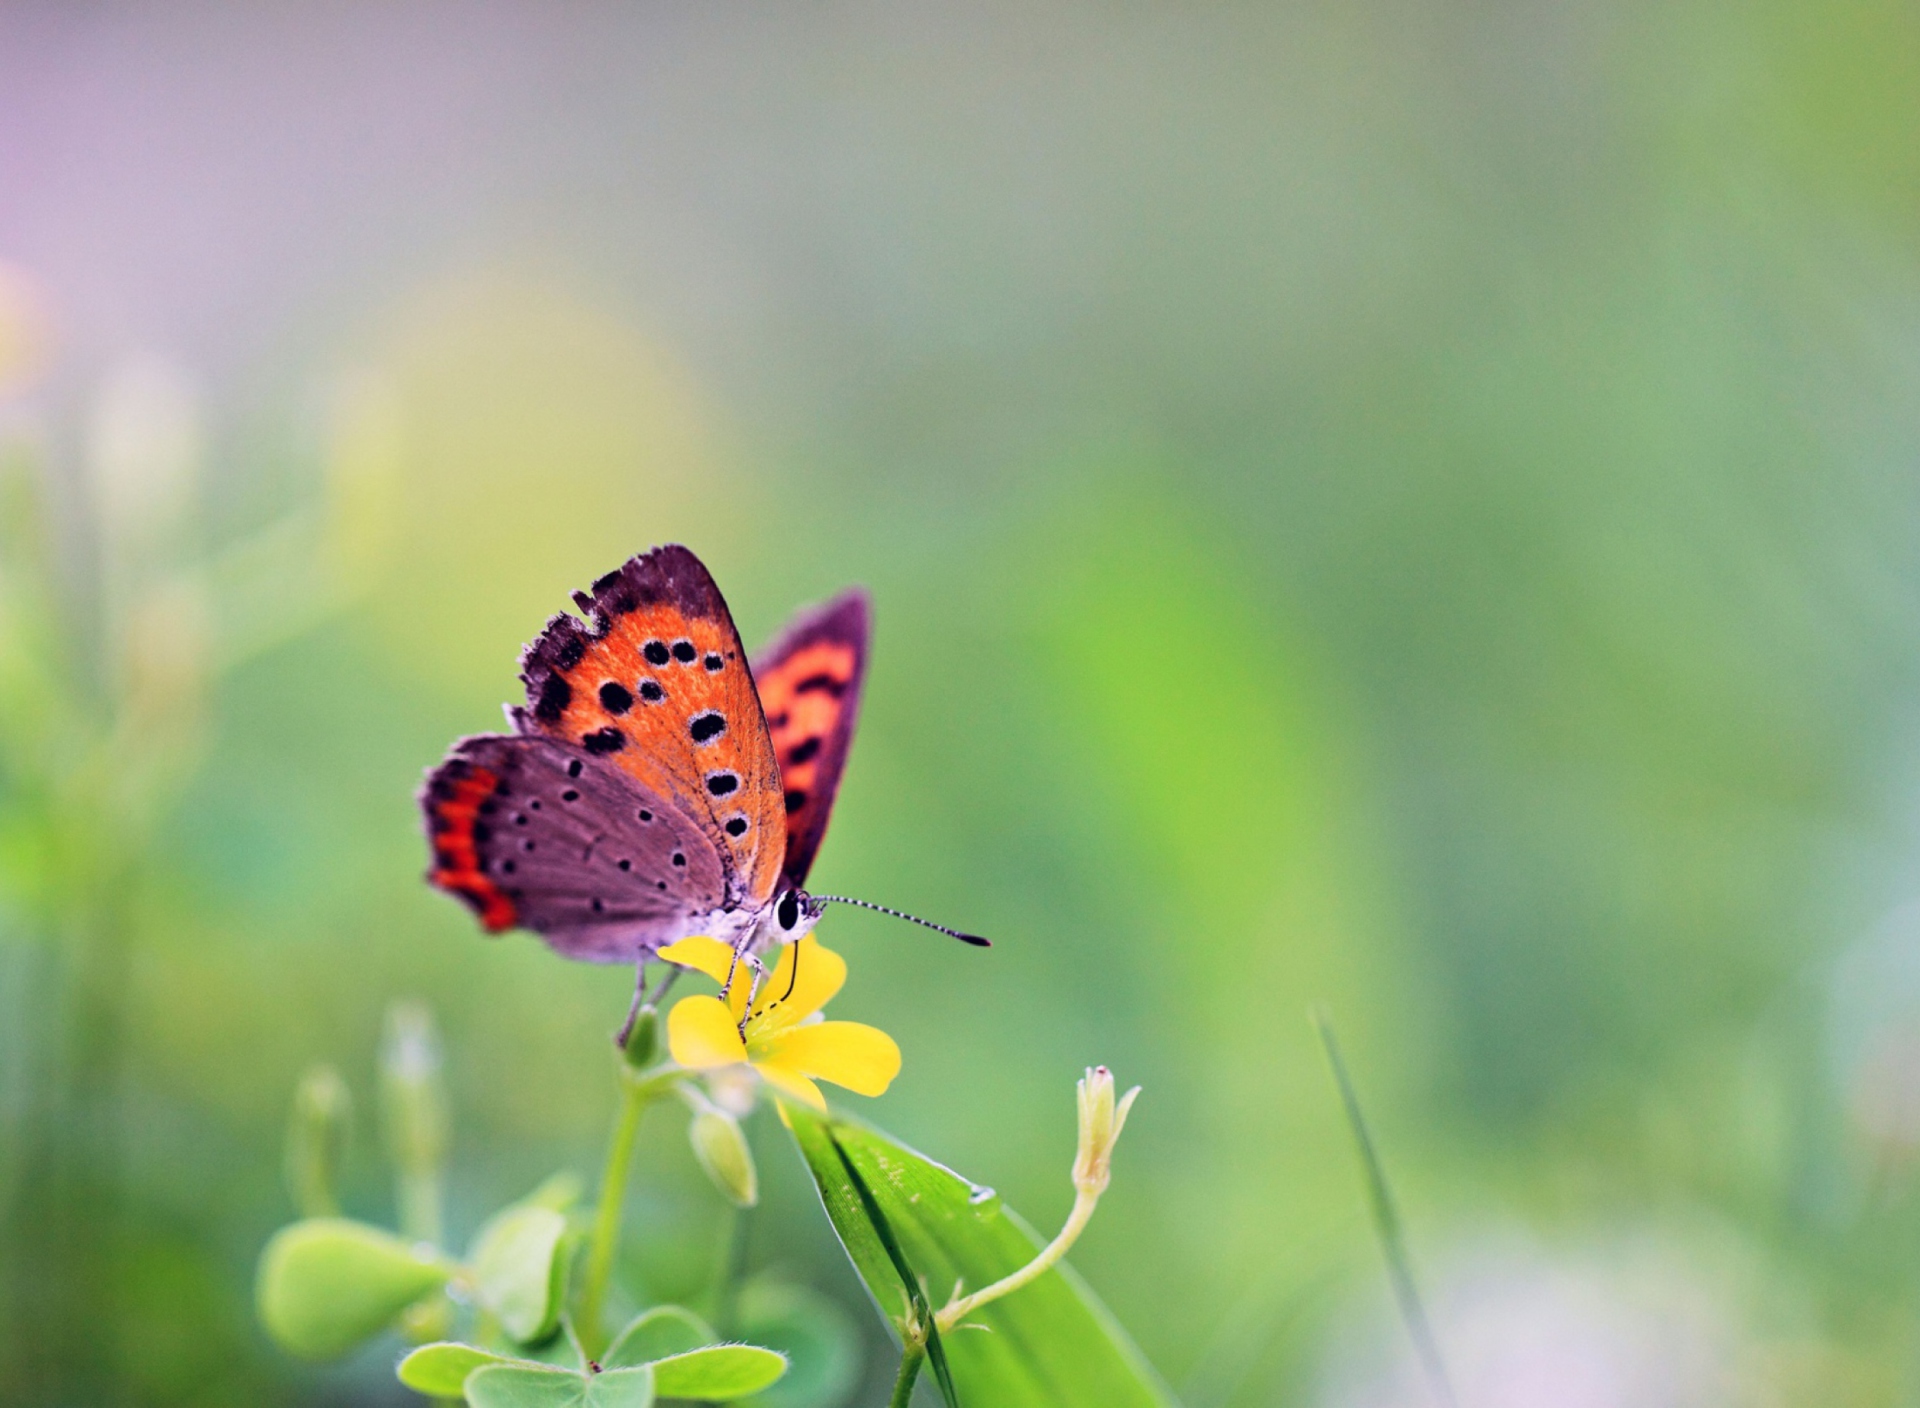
x: 1387, y: 1226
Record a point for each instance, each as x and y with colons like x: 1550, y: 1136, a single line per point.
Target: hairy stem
x: 1084, y: 1202
x: 911, y: 1359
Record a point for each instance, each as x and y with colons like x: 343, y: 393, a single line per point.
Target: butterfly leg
x: 633, y: 1009
x: 739, y: 951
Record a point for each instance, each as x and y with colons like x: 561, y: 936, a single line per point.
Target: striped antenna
x: 973, y: 939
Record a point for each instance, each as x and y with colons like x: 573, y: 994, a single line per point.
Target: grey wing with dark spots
x: 597, y: 864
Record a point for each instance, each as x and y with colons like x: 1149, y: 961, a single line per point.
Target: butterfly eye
x: 789, y: 911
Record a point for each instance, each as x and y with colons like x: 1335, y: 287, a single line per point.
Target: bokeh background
x: 1405, y: 507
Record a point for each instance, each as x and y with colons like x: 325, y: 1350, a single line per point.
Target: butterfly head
x: 795, y: 912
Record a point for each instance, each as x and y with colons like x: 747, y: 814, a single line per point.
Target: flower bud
x: 642, y: 1046
x: 1101, y: 1120
x: 317, y: 1129
x: 414, y: 1106
x: 721, y: 1146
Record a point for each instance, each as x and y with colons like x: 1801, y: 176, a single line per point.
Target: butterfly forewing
x: 658, y: 687
x: 531, y: 831
x: 810, y: 682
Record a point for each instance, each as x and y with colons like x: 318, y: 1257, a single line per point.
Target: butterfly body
x: 642, y: 796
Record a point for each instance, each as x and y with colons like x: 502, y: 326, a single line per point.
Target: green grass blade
x: 923, y: 1313
x: 882, y: 1229
x: 1386, y: 1223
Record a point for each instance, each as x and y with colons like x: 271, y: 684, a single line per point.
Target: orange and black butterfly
x: 655, y: 784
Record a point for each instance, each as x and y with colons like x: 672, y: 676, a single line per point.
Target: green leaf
x: 518, y: 1270
x: 1053, y: 1344
x: 875, y: 1217
x: 820, y: 1341
x: 326, y: 1284
x: 659, y: 1333
x: 440, y: 1370
x: 523, y: 1386
x: 719, y: 1372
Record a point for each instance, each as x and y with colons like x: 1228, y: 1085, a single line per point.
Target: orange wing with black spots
x: 657, y: 684
x: 810, y: 682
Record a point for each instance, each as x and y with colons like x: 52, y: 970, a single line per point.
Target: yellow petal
x: 702, y: 1035
x: 864, y: 1059
x: 794, y: 1084
x: 786, y: 998
x: 709, y: 956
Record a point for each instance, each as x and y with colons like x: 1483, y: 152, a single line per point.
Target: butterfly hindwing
x: 810, y: 680
x: 658, y: 687
x: 533, y: 832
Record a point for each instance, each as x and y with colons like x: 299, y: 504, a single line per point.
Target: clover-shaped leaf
x: 518, y: 1269
x: 328, y: 1283
x: 440, y: 1370
x: 659, y: 1333
x: 687, y: 1363
x: 529, y: 1386
x: 718, y: 1372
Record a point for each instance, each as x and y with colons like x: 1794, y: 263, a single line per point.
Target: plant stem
x: 636, y: 1094
x: 1084, y: 1202
x: 911, y: 1359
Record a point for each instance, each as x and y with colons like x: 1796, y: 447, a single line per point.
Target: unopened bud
x: 414, y: 1106
x: 721, y: 1146
x: 1101, y: 1120
x: 642, y: 1045
x: 317, y: 1130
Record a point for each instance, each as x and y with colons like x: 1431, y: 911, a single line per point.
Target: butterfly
x: 656, y: 784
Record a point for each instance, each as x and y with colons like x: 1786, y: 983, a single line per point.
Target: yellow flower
x: 785, y: 1042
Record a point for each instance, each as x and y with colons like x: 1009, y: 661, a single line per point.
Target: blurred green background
x: 1409, y: 507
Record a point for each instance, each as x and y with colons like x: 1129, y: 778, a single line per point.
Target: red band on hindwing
x: 453, y: 801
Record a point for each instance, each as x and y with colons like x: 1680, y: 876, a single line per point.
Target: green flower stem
x: 639, y: 1089
x: 910, y: 1361
x: 1085, y: 1200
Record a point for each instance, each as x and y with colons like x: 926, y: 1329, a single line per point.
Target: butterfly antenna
x: 973, y: 939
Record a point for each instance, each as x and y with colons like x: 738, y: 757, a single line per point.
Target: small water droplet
x: 979, y: 1195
